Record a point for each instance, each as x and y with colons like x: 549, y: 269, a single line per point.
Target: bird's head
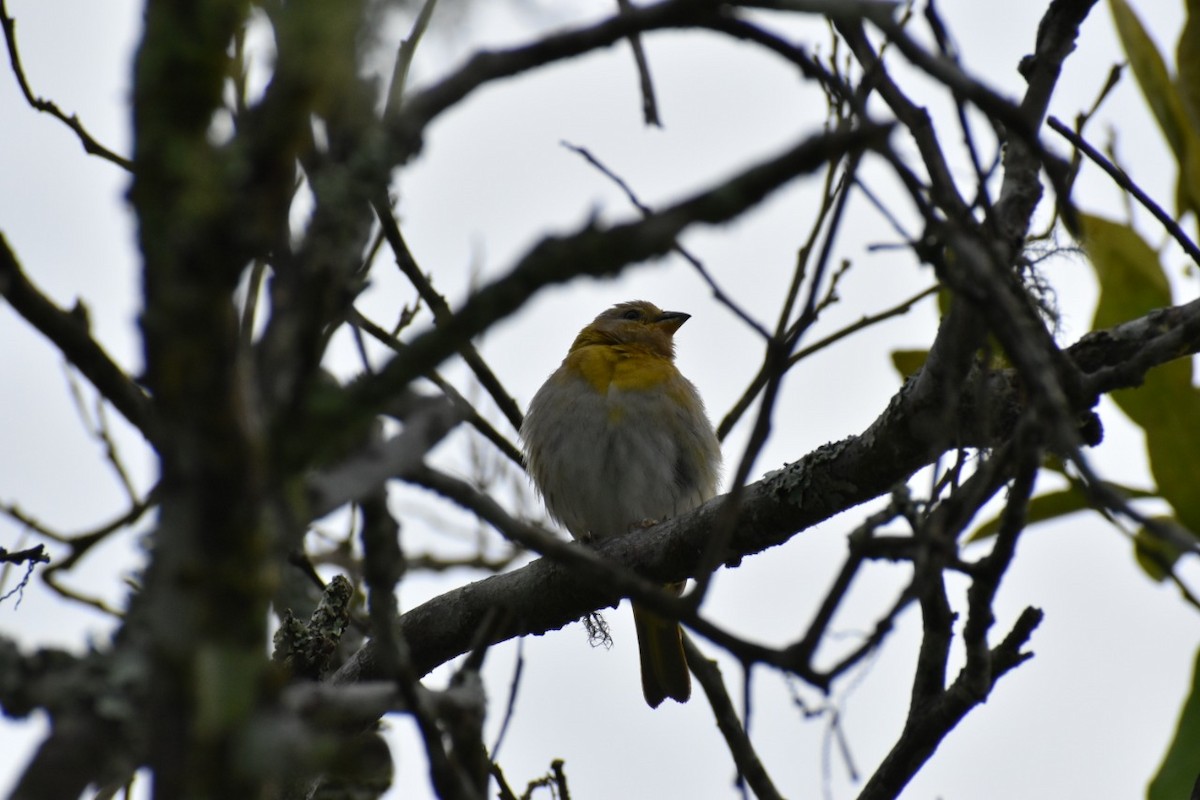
x: 637, y: 324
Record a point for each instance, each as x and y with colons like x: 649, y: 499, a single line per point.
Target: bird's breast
x: 613, y: 439
x: 610, y: 368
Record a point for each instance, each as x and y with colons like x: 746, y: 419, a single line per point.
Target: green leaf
x: 1155, y: 555
x: 1152, y: 76
x: 1166, y: 406
x: 1041, y: 508
x: 1132, y: 280
x: 1187, y: 85
x: 1132, y: 283
x: 1170, y: 102
x: 1187, y: 182
x: 907, y: 362
x: 1181, y: 765
x: 1053, y: 505
x: 1187, y: 62
x: 944, y: 296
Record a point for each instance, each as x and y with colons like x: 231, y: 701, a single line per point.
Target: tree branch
x: 749, y: 765
x: 68, y: 331
x: 90, y: 145
x: 1121, y: 179
x: 926, y: 730
x: 546, y: 595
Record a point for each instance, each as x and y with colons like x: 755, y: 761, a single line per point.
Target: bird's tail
x: 664, y: 668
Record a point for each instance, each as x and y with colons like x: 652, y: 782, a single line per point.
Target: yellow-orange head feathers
x: 634, y: 324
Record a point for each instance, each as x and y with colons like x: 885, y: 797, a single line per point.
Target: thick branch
x: 1055, y: 41
x: 421, y: 108
x: 68, y: 331
x: 546, y: 595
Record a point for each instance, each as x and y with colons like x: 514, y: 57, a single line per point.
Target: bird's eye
x: 632, y: 313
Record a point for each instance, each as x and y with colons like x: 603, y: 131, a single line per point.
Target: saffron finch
x: 617, y: 437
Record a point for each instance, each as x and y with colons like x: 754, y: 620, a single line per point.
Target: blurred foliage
x: 1059, y: 503
x: 1177, y: 777
x: 1174, y: 101
x: 908, y: 362
x: 1167, y: 405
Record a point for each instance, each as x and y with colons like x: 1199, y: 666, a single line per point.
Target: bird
x: 616, y: 439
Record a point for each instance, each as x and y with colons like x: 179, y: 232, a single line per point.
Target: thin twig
x: 721, y: 296
x: 99, y: 429
x: 511, y: 706
x: 472, y: 417
x: 442, y: 313
x: 503, y: 790
x: 649, y: 103
x: 31, y: 558
x: 903, y: 307
x: 80, y: 545
x: 90, y: 145
x: 34, y: 555
x: 408, y: 49
x: 254, y: 284
x: 743, y: 403
x: 69, y: 332
x: 767, y: 369
x: 749, y: 765
x: 383, y: 566
x: 775, y: 366
x: 858, y: 540
x: 1121, y: 179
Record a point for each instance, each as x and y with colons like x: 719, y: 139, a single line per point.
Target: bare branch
x: 90, y: 145
x: 749, y: 765
x: 927, y: 729
x: 465, y: 408
x: 408, y: 49
x: 1121, y: 179
x: 68, y: 331
x: 34, y: 555
x: 649, y: 103
x: 722, y: 297
x: 442, y: 313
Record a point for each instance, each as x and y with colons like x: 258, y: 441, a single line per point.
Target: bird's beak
x: 671, y: 320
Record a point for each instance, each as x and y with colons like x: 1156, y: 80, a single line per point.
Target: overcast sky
x: 1090, y: 716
